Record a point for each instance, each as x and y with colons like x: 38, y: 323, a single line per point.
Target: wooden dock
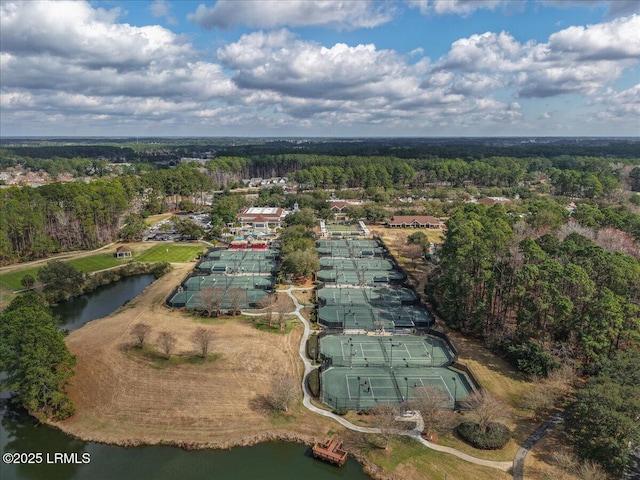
x: 331, y: 452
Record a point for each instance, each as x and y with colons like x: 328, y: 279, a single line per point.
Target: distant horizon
x: 320, y: 69
x: 417, y: 137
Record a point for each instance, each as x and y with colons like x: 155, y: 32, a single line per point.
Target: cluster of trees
x: 581, y: 176
x: 299, y: 257
x: 166, y: 188
x: 599, y: 216
x: 552, y: 303
x: 531, y: 295
x: 572, y: 183
x: 202, y: 338
x: 56, y: 166
x: 34, y: 358
x: 604, y: 420
x: 37, y: 222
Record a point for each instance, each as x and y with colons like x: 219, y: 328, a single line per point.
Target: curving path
x: 529, y: 443
x: 415, y: 433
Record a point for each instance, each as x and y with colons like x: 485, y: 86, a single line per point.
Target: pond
x: 266, y: 461
x: 103, y: 301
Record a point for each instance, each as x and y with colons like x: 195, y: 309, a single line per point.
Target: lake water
x: 104, y: 300
x: 266, y: 461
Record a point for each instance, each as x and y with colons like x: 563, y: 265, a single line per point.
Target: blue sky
x: 320, y: 68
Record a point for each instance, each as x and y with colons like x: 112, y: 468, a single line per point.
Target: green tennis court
x: 356, y: 264
x: 407, y: 351
x: 357, y: 388
x: 359, y: 318
x: 378, y: 296
x: 362, y: 277
x: 239, y: 262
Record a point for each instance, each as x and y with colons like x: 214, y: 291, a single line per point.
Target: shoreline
x: 368, y: 467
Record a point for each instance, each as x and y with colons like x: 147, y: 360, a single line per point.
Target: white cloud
x: 281, y: 62
x: 617, y: 39
x: 574, y: 60
x: 162, y: 9
x: 84, y: 35
x: 623, y: 105
x: 455, y: 7
x: 77, y: 68
x: 339, y: 15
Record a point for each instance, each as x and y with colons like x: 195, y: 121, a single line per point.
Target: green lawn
x: 11, y: 280
x: 169, y: 252
x: 97, y: 262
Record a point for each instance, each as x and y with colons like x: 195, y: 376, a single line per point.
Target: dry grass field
x: 123, y: 399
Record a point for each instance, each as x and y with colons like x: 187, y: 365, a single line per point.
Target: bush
x: 530, y: 357
x: 313, y: 347
x: 314, y: 382
x: 496, y: 436
x: 340, y: 411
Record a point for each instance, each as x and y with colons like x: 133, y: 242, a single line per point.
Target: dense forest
x: 546, y: 299
x: 527, y: 291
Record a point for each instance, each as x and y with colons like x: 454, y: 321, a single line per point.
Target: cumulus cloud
x: 340, y: 15
x: 75, y: 65
x: 84, y: 35
x: 456, y: 7
x: 614, y: 40
x: 281, y: 62
x: 623, y: 105
x: 614, y: 8
x: 162, y: 9
x: 574, y: 60
x: 356, y: 84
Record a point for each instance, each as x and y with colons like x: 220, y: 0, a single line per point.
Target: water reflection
x: 22, y: 433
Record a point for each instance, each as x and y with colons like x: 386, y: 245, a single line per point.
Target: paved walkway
x: 415, y: 433
x: 518, y: 462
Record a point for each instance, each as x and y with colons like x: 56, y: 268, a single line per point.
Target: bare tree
x: 282, y: 311
x: 267, y: 303
x: 435, y: 407
x: 235, y: 296
x: 140, y: 332
x: 210, y: 300
x: 414, y: 253
x: 485, y: 408
x: 384, y: 418
x: 545, y: 393
x: 202, y: 338
x: 284, y: 390
x: 167, y: 342
x: 569, y: 463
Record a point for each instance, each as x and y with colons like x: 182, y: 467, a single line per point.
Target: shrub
x: 313, y: 347
x: 340, y: 411
x: 314, y: 382
x: 530, y: 357
x: 494, y: 438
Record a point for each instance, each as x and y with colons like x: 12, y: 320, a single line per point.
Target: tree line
x: 534, y: 295
x: 548, y: 300
x: 56, y: 217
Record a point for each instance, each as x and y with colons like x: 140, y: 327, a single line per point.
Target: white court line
x: 434, y: 378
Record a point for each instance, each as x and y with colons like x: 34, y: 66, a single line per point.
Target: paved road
x: 518, y: 462
x: 415, y: 433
